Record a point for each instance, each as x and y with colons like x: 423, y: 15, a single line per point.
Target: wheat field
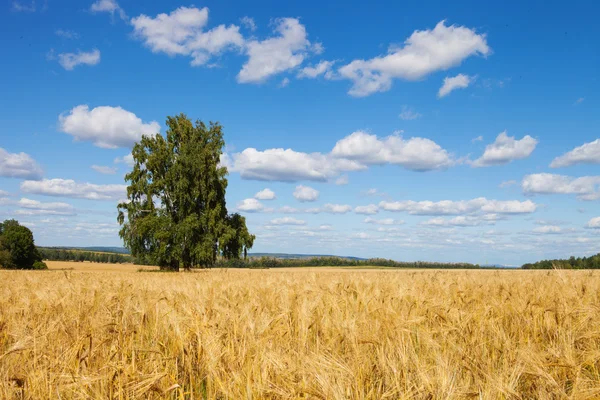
x: 301, y: 334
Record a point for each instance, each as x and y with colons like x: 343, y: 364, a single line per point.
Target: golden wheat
x: 319, y: 334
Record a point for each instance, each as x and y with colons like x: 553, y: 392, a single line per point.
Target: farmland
x: 110, y: 332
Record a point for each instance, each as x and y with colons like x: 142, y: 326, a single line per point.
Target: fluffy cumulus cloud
x: 368, y: 209
x: 585, y: 187
x: 287, y: 165
x: 285, y: 51
x: 593, y: 223
x: 305, y: 193
x: 417, y: 154
x: 451, y: 207
x: 459, y: 81
x: 506, y: 149
x: 287, y: 221
x: 265, y: 194
x: 71, y: 60
x: 322, y: 68
x: 182, y: 32
x: 18, y: 165
x: 250, y: 205
x: 108, y: 6
x: 352, y: 153
x: 78, y: 190
x: 105, y: 126
x: 588, y: 153
x: 34, y: 207
x: 102, y: 169
x: 423, y: 53
x: 21, y: 6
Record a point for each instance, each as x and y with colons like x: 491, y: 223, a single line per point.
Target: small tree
x: 17, y: 247
x: 175, y: 212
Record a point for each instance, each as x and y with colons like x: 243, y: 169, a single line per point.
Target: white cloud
x: 127, y: 160
x: 585, y: 187
x: 450, y: 207
x: 368, y: 210
x: 506, y: 184
x: 548, y: 229
x: 105, y: 126
x: 423, y: 53
x: 248, y: 22
x: 461, y: 220
x: 336, y: 208
x: 34, y: 207
x: 322, y: 68
x: 18, y: 165
x: 459, y: 81
x: 287, y: 221
x: 78, y: 190
x: 284, y: 82
x: 342, y: 180
x: 70, y: 60
x: 417, y: 154
x: 506, y: 149
x: 289, y: 165
x: 408, y: 113
x: 250, y: 205
x: 305, y: 193
x: 276, y: 54
x: 593, y: 223
x: 588, y: 153
x: 384, y: 221
x: 579, y: 100
x: 477, y: 139
x: 265, y: 194
x: 361, y: 235
x: 325, y: 227
x: 104, y: 170
x: 182, y: 33
x: 23, y: 7
x: 66, y: 34
x: 108, y: 6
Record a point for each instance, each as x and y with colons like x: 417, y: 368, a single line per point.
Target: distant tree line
x: 270, y: 262
x: 592, y: 262
x: 59, y: 254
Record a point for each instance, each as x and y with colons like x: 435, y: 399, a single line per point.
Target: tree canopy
x: 17, y: 247
x: 175, y: 214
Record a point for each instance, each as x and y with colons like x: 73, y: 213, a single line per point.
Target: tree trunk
x: 173, y: 266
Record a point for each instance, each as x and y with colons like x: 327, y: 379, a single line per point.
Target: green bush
x: 40, y: 265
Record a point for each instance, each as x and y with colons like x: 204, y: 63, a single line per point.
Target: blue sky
x: 429, y: 131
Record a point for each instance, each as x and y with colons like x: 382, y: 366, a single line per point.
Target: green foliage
x: 40, y: 265
x: 17, y: 248
x: 592, y: 262
x: 175, y: 212
x: 270, y: 262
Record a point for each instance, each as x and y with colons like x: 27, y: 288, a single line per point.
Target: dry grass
x: 308, y: 334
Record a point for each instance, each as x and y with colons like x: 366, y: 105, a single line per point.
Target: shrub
x: 40, y: 265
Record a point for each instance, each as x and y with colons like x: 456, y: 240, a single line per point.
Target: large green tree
x: 175, y: 214
x: 17, y: 247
